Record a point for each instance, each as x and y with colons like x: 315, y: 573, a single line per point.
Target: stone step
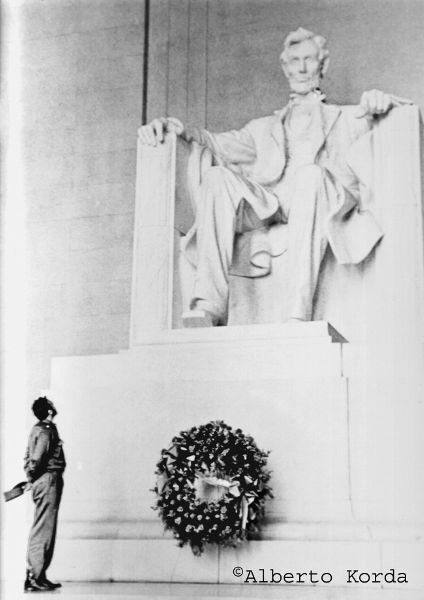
x: 283, y: 351
x: 309, y: 331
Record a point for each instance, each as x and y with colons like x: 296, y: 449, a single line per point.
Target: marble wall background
x: 222, y: 67
x: 82, y: 95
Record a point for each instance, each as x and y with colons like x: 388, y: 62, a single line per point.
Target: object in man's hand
x: 16, y: 491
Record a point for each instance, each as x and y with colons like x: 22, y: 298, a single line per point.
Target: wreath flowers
x: 211, y: 487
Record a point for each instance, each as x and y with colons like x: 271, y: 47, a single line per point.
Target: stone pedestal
x: 286, y: 386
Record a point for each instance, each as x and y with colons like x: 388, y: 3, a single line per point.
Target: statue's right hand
x: 154, y: 133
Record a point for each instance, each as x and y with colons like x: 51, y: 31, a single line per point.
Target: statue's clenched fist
x: 154, y: 133
x: 376, y: 102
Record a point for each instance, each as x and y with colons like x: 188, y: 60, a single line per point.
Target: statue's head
x: 304, y: 60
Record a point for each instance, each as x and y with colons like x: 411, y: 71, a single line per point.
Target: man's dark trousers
x: 46, y: 493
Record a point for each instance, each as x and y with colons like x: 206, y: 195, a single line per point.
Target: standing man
x: 44, y: 465
x: 290, y: 167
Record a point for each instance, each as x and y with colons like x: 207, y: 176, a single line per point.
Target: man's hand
x: 376, y: 102
x: 154, y: 133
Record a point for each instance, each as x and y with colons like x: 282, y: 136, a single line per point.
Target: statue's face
x: 303, y: 67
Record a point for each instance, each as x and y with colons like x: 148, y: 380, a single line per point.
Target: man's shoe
x: 35, y: 585
x: 50, y: 584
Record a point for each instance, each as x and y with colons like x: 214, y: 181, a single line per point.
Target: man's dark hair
x: 41, y: 408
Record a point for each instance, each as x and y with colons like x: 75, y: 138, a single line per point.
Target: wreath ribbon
x: 234, y: 489
x: 231, y: 486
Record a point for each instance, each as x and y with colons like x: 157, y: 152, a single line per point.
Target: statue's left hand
x: 376, y: 102
x: 154, y: 132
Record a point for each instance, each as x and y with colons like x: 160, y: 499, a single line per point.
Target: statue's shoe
x: 199, y: 318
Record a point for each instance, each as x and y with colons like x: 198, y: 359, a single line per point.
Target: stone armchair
x: 359, y: 300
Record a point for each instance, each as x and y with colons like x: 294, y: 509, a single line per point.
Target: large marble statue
x: 290, y: 167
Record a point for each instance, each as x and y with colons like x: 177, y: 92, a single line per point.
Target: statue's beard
x: 305, y: 86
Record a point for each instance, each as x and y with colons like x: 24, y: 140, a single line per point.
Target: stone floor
x: 183, y: 591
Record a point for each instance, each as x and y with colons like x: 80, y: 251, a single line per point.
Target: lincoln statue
x: 290, y: 167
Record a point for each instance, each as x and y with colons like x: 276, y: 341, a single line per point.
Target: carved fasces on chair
x: 153, y: 239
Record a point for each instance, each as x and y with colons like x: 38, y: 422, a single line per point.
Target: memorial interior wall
x: 82, y: 66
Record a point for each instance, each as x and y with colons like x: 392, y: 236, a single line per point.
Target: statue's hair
x: 301, y: 35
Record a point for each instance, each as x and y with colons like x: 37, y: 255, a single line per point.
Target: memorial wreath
x: 211, y: 487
